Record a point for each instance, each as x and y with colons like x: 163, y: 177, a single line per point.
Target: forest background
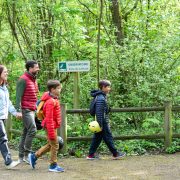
x: 133, y: 43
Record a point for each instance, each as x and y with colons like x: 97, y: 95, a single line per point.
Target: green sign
x: 74, y: 66
x: 62, y: 67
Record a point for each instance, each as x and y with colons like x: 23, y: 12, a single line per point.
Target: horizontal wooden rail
x: 130, y: 109
x: 20, y: 132
x: 167, y: 136
x: 154, y: 136
x: 88, y: 138
x: 175, y: 108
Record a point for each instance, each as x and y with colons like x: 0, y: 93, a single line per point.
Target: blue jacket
x: 5, y: 103
x: 101, y: 107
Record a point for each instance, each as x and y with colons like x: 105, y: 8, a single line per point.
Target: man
x: 101, y: 113
x: 26, y: 98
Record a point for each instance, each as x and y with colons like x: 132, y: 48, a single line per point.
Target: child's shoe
x: 119, y: 155
x: 12, y: 165
x: 55, y: 168
x: 32, y: 159
x: 92, y: 157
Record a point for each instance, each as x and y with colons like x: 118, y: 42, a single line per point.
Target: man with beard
x: 26, y: 98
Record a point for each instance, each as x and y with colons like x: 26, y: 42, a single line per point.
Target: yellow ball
x: 94, y: 127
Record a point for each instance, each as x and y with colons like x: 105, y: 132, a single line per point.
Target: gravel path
x: 153, y: 167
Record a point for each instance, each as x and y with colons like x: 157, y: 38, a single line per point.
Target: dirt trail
x: 151, y: 167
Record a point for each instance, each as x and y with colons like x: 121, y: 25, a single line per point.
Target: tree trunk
x: 98, y: 40
x: 117, y: 20
x: 12, y: 22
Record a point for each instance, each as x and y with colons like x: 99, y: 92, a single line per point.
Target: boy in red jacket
x: 51, y: 122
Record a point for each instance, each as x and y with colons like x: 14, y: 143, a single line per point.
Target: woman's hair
x: 53, y: 84
x: 1, y: 70
x: 104, y: 83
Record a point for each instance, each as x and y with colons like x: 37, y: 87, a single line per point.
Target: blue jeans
x: 3, y: 144
x: 29, y: 132
x: 106, y: 135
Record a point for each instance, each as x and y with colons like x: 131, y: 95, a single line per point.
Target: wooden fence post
x: 168, y: 124
x: 62, y: 131
x: 8, y: 124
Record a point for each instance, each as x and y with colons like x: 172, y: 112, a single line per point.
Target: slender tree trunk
x: 12, y: 22
x: 98, y: 39
x: 117, y: 21
x: 147, y: 20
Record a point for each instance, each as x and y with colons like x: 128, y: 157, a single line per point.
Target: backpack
x: 92, y: 108
x: 39, y: 111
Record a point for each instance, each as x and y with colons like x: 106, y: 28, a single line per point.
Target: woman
x: 5, y: 107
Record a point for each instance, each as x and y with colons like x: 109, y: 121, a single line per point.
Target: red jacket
x: 52, y: 113
x: 29, y: 97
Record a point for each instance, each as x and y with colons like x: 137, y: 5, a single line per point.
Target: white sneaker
x: 13, y: 164
x: 20, y: 160
x: 26, y: 160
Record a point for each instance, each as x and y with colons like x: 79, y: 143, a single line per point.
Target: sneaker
x: 24, y: 159
x: 32, y: 160
x: 20, y: 160
x: 92, y: 157
x: 12, y: 165
x: 119, y: 155
x: 55, y: 168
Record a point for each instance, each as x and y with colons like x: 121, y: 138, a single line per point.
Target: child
x: 101, y: 112
x: 5, y: 107
x: 51, y: 122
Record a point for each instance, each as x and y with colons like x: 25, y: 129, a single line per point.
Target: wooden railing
x: 167, y: 135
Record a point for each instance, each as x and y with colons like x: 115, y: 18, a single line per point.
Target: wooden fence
x: 167, y: 135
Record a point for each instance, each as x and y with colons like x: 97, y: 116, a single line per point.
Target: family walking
x: 26, y: 99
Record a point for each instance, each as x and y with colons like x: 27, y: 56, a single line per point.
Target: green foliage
x: 144, y: 69
x: 151, y: 125
x: 175, y: 147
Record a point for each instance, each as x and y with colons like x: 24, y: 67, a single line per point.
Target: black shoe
x: 119, y: 155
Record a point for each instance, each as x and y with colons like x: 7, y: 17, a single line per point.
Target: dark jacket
x: 101, y: 107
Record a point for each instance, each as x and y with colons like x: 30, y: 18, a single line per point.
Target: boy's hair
x: 104, y: 83
x: 52, y: 84
x: 30, y: 63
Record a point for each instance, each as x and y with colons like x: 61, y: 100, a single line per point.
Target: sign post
x: 76, y: 67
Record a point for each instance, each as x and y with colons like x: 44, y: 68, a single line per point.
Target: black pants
x: 106, y: 135
x: 3, y: 144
